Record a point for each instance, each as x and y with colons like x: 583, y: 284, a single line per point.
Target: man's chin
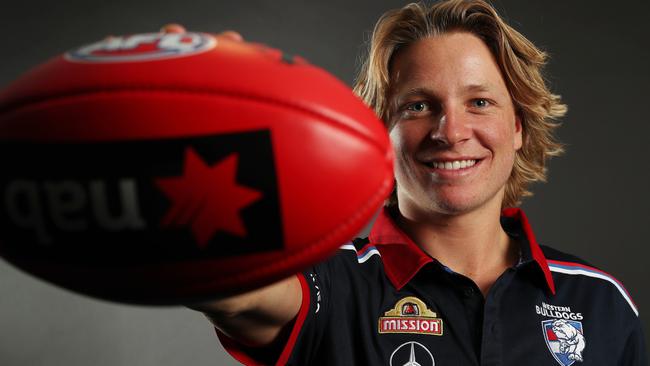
x: 458, y: 205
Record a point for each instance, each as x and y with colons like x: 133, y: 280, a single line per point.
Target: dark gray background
x: 594, y: 205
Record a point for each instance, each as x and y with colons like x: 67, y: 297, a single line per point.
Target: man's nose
x: 451, y: 128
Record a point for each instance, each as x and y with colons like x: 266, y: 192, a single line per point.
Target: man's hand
x: 177, y: 28
x: 255, y: 318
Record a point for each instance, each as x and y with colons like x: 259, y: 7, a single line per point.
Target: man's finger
x: 172, y: 28
x: 231, y: 35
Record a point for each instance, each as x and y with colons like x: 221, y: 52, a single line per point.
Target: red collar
x: 402, y: 258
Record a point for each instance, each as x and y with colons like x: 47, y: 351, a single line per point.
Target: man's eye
x: 480, y: 103
x: 418, y: 107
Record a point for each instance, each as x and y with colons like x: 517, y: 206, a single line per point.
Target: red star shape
x: 208, y: 198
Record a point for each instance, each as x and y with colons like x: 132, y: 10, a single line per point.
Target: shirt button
x: 468, y: 292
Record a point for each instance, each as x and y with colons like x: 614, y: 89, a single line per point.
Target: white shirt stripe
x: 364, y: 257
x: 584, y: 272
x: 348, y: 247
x: 368, y: 254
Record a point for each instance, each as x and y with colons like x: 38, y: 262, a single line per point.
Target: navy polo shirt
x: 383, y: 301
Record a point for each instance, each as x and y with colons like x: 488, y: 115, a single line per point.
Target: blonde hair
x: 521, y: 65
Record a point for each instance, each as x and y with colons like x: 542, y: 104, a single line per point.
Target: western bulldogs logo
x: 143, y: 47
x: 565, y: 339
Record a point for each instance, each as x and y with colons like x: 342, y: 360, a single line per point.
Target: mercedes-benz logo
x: 415, y: 355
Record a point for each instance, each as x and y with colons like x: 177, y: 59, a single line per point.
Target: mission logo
x: 411, y: 315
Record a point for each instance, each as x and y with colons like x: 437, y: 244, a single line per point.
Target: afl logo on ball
x: 143, y: 47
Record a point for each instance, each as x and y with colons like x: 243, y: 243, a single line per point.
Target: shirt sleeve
x: 635, y: 352
x: 307, y: 329
x: 314, y: 315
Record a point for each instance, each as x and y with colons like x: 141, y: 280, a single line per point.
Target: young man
x: 449, y: 275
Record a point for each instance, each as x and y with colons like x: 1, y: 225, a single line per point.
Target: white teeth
x: 453, y: 165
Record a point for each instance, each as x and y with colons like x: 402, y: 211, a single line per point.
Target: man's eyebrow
x: 428, y: 91
x: 417, y: 91
x: 477, y: 87
x: 399, y: 97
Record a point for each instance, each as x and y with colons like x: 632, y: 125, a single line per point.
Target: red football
x: 163, y: 168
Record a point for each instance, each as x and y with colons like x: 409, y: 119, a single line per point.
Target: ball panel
x: 232, y: 68
x: 326, y: 178
x: 312, y: 224
x: 303, y: 143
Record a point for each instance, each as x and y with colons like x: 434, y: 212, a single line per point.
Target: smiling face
x: 453, y: 126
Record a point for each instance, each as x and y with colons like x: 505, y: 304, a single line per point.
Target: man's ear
x: 519, y: 132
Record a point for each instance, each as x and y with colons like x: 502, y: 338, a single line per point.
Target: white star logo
x: 400, y: 353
